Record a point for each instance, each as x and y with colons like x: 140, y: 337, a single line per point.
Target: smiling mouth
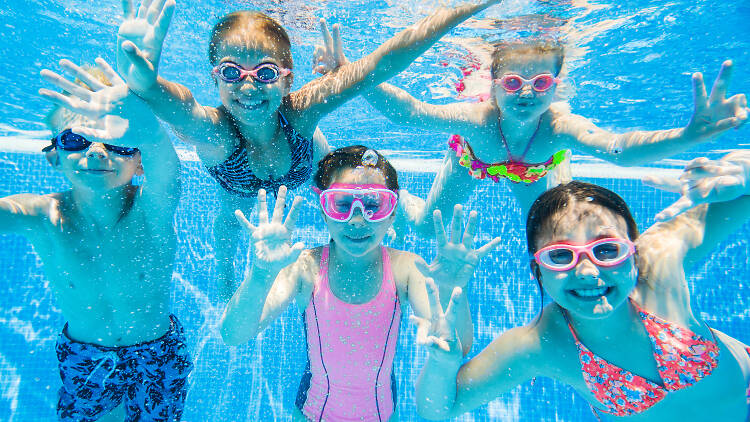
x: 96, y: 171
x: 251, y: 105
x: 358, y: 239
x: 591, y: 294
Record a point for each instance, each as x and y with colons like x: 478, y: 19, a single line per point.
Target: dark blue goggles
x: 70, y: 141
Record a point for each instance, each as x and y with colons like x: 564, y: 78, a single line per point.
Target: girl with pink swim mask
x: 352, y: 291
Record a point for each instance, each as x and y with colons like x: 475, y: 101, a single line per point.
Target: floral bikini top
x: 515, y: 170
x: 682, y: 358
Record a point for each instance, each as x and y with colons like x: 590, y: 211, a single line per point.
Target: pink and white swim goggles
x: 539, y: 83
x: 606, y: 252
x: 375, y: 202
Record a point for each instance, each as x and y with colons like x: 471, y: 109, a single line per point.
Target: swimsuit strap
x: 528, y: 144
x: 570, y: 326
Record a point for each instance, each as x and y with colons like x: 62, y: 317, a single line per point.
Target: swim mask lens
x: 70, y: 141
x: 266, y: 73
x: 375, y: 202
x: 603, y: 252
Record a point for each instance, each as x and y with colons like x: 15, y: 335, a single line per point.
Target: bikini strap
x: 528, y: 144
x: 570, y: 326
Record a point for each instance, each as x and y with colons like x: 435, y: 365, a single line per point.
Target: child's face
x: 358, y: 236
x: 247, y: 100
x: 525, y: 103
x: 576, y: 289
x: 96, y: 168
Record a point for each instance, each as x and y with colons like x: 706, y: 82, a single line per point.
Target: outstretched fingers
x: 244, y: 222
x: 143, y: 9
x: 678, y: 207
x: 69, y: 102
x: 165, y: 18
x: 433, y: 297
x: 484, y: 250
x: 65, y: 84
x: 80, y: 73
x: 440, y: 235
x: 451, y: 311
x: 471, y: 230
x: 700, y: 97
x: 262, y: 207
x: 109, y: 72
x: 127, y: 9
x: 327, y: 39
x: 278, y: 208
x: 719, y: 90
x: 665, y: 183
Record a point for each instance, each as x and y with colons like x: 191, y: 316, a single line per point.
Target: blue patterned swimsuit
x: 236, y: 176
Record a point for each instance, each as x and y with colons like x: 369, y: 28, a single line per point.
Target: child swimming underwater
x: 260, y: 136
x: 352, y: 291
x: 108, y: 249
x: 621, y: 330
x: 521, y: 134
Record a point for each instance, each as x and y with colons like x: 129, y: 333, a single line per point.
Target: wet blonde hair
x: 507, y: 51
x: 247, y: 21
x: 60, y: 118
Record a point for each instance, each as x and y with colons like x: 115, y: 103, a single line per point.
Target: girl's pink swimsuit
x: 350, y: 349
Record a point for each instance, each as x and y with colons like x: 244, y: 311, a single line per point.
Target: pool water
x: 630, y: 61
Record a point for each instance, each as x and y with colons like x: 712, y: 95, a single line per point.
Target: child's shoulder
x: 32, y: 204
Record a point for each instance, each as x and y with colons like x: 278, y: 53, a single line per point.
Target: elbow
x: 431, y: 414
x: 232, y: 336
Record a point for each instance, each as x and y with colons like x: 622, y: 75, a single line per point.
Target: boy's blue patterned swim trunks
x: 151, y: 378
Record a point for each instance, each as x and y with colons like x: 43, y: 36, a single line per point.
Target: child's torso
x: 350, y: 351
x: 112, y: 286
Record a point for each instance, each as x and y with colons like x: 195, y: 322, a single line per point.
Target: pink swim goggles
x: 375, y: 202
x: 603, y: 252
x: 539, y: 83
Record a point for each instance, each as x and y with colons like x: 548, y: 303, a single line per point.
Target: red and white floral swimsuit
x: 682, y: 357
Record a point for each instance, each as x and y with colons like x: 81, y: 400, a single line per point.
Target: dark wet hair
x: 557, y: 199
x: 247, y: 20
x: 538, y: 47
x: 351, y: 157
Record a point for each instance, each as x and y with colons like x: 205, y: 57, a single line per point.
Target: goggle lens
x: 230, y: 73
x: 267, y: 73
x: 512, y: 83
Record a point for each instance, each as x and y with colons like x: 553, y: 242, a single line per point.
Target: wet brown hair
x: 508, y: 50
x: 351, y: 157
x: 60, y: 118
x: 246, y: 21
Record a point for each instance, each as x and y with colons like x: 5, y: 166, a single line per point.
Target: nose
x: 357, y: 218
x: 585, y: 269
x: 526, y: 91
x: 96, y: 150
x: 248, y: 85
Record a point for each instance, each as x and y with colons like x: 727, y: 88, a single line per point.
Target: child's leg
x: 159, y: 385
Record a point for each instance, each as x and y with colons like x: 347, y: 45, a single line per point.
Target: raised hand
x: 456, y: 259
x: 272, y: 239
x: 715, y: 113
x: 703, y: 181
x: 140, y: 39
x: 110, y: 107
x: 329, y: 56
x: 438, y: 333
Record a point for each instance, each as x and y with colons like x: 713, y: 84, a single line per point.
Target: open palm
x: 140, y: 40
x: 272, y: 238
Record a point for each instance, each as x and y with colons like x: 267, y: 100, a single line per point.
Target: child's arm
x: 122, y: 119
x: 445, y: 388
x: 395, y: 103
x: 273, y: 279
x: 452, y: 268
x: 712, y: 115
x: 139, y: 45
x: 715, y: 201
x: 323, y: 95
x: 22, y: 213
